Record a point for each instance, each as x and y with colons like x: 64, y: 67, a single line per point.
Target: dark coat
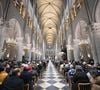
x: 13, y: 83
x: 26, y: 76
x: 79, y: 77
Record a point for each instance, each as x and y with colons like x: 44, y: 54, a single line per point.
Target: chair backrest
x: 84, y: 86
x: 26, y: 87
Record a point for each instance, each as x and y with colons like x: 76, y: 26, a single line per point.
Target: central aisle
x: 51, y: 79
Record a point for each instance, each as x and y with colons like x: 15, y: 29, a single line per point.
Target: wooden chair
x: 26, y: 87
x: 35, y: 79
x: 84, y: 86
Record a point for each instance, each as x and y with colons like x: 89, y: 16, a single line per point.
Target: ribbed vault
x: 50, y: 13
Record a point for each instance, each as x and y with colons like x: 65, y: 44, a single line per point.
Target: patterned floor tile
x: 65, y: 88
x: 61, y: 77
x: 52, y: 88
x: 51, y: 77
x: 59, y: 85
x: 45, y: 85
x: 52, y: 80
x: 40, y: 81
x: 45, y: 79
x: 57, y: 79
x: 63, y: 81
x: 38, y: 88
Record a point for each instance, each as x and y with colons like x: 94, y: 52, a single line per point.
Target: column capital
x: 95, y: 25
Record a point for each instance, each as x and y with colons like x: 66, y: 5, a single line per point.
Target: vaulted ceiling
x: 50, y: 13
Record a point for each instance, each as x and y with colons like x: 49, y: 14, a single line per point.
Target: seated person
x: 3, y: 75
x: 13, y: 82
x: 26, y: 75
x: 79, y: 77
x: 95, y: 80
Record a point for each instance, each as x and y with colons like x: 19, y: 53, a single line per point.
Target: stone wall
x: 82, y: 15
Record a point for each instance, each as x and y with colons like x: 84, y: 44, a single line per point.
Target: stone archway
x: 13, y: 46
x: 82, y: 48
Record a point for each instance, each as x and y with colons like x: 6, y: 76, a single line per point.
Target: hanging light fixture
x: 11, y: 41
x: 82, y: 42
x: 69, y: 47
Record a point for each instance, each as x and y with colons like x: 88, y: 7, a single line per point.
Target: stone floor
x: 51, y: 80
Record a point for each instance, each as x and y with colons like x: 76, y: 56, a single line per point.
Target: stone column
x: 19, y: 48
x: 26, y: 54
x: 76, y: 50
x: 2, y: 38
x: 83, y: 49
x: 96, y: 37
x: 43, y: 51
x: 30, y: 55
x: 29, y: 51
x: 70, y: 52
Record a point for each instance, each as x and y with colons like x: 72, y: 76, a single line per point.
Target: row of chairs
x: 81, y: 86
x: 26, y: 87
x: 84, y: 86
